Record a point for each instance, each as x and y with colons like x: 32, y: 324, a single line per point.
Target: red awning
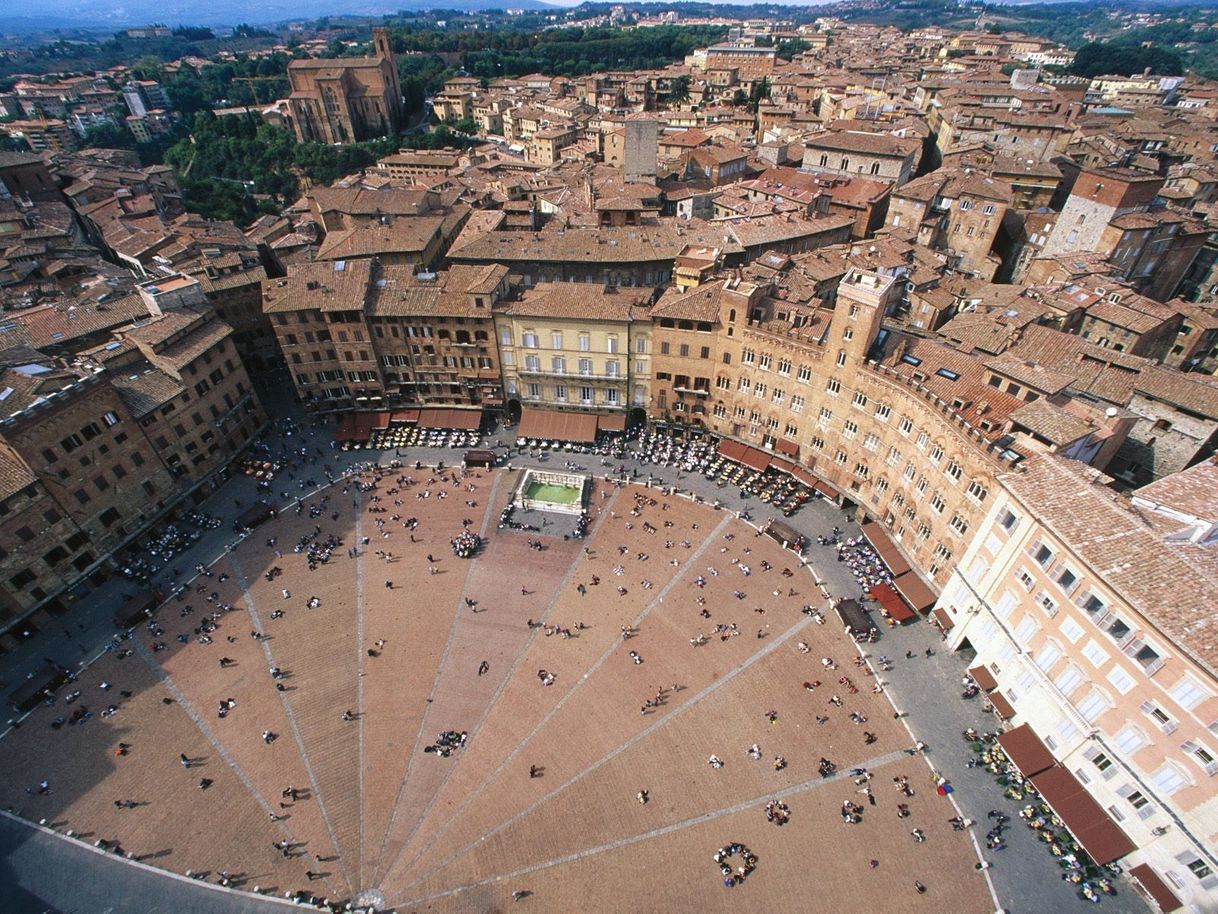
x: 788, y: 447
x: 782, y: 466
x: 732, y: 450
x: 827, y: 490
x: 883, y: 544
x: 615, y: 422
x: 1156, y: 888
x: 892, y: 603
x: 1001, y: 706
x: 404, y: 415
x: 804, y: 476
x: 756, y: 459
x: 984, y: 678
x: 468, y: 420
x: 380, y: 420
x: 915, y: 591
x: 1100, y: 837
x: 943, y: 619
x: 363, y: 426
x: 1024, y: 748
x: 346, y: 429
x: 551, y: 425
x: 457, y: 419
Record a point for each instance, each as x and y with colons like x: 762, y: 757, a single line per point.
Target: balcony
x: 571, y: 376
x: 696, y: 391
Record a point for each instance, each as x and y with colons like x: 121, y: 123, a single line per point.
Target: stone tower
x: 862, y: 300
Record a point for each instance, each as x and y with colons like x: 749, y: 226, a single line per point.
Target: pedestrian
x: 184, y: 760
x: 310, y: 875
x: 919, y: 887
x: 483, y: 667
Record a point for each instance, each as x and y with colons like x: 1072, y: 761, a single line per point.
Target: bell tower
x: 389, y: 65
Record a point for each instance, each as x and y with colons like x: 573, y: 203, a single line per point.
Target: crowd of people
x: 465, y: 545
x: 864, y: 563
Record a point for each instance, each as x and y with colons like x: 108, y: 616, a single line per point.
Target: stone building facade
x: 348, y: 99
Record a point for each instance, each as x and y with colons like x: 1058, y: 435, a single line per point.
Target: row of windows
x: 531, y: 340
x: 583, y: 395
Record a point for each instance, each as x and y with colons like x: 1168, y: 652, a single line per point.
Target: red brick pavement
x: 463, y: 832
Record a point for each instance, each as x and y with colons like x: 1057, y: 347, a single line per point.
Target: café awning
x: 455, y: 419
x: 551, y: 425
x: 1024, y: 748
x: 613, y: 422
x: 788, y: 447
x: 479, y: 458
x: 346, y: 429
x: 943, y: 619
x: 915, y: 591
x: 1002, y: 707
x: 804, y: 476
x: 892, y: 603
x: 782, y: 533
x: 852, y: 615
x: 782, y: 466
x: 983, y: 677
x: 732, y: 450
x: 404, y: 415
x: 828, y: 491
x: 1156, y: 888
x: 884, y: 546
x: 1093, y: 828
x: 756, y: 459
x: 380, y: 420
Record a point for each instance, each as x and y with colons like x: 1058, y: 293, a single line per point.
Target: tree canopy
x: 1098, y: 58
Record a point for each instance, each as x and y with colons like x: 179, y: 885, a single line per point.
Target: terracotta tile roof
x: 1192, y: 492
x: 406, y: 234
x: 396, y: 291
x: 319, y: 285
x: 1125, y: 551
x: 952, y: 376
x: 1051, y: 422
x: 59, y: 324
x: 654, y: 242
x: 581, y: 300
x: 1030, y: 373
x: 14, y: 475
x: 700, y: 304
x: 145, y: 390
x: 1116, y: 376
x: 877, y: 144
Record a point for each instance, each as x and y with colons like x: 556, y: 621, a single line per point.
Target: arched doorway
x: 513, y: 411
x: 638, y: 418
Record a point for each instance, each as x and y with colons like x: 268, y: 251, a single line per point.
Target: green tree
x: 758, y: 93
x: 1098, y: 58
x: 679, y: 93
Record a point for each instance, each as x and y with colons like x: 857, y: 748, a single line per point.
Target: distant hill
x: 42, y: 15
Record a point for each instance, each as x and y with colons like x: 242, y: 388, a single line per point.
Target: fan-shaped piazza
x: 406, y: 641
